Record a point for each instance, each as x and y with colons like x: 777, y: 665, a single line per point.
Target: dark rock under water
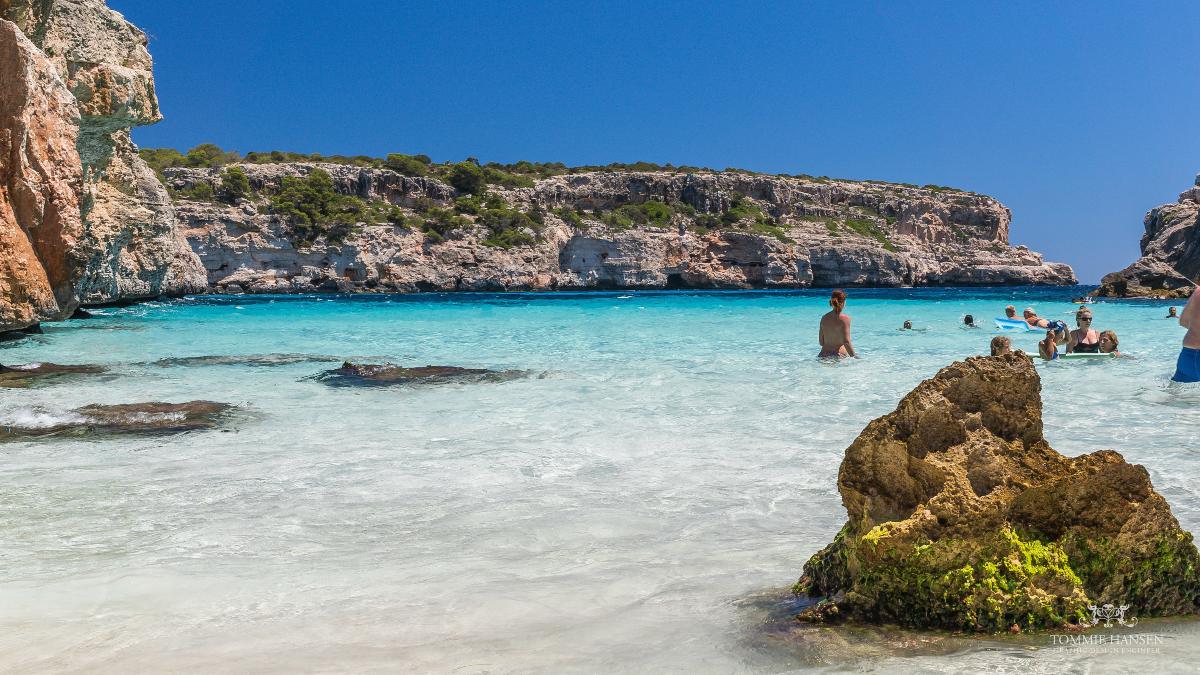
x: 253, y: 360
x: 19, y: 377
x: 152, y: 417
x: 387, y: 374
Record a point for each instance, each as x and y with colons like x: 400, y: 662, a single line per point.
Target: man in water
x: 834, y: 334
x: 1187, y: 369
x: 1171, y: 313
x: 907, y: 325
x: 969, y: 321
x: 1010, y: 312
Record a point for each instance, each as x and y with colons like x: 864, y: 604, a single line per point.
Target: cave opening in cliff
x: 675, y: 281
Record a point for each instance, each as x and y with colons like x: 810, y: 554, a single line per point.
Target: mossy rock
x: 962, y: 517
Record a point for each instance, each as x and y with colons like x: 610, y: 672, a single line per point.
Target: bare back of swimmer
x: 834, y: 333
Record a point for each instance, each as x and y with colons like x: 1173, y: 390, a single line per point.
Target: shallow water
x: 639, y: 505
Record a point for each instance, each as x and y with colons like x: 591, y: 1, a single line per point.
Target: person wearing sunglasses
x: 1085, y: 339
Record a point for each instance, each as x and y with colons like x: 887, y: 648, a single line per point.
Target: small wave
x: 34, y: 417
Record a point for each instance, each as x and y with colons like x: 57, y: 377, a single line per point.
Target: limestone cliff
x: 1170, y: 253
x: 725, y: 230
x: 40, y: 186
x: 127, y: 247
x: 960, y: 515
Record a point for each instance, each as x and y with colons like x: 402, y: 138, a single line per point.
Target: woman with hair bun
x: 834, y: 334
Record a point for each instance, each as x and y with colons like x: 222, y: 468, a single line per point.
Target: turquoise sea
x: 640, y: 503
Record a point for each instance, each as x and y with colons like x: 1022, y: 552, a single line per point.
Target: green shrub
x: 201, y: 191
x: 162, y: 158
x: 207, y: 155
x: 496, y: 176
x: 439, y: 222
x: 506, y: 227
x: 235, y: 184
x: 570, y: 217
x: 315, y: 209
x: 468, y: 177
x: 871, y: 230
x: 407, y: 165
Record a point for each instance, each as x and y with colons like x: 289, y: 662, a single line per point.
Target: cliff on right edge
x: 1170, y: 253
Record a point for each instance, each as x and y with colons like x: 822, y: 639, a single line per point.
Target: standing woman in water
x: 835, y: 329
x: 1187, y: 369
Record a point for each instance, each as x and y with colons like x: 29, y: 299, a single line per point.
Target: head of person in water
x: 1029, y: 313
x: 1108, y: 342
x: 1172, y: 313
x: 1082, y: 317
x: 1001, y: 345
x: 907, y: 325
x: 968, y: 320
x: 837, y: 300
x: 1010, y: 312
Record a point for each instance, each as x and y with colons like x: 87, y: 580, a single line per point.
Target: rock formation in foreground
x: 83, y: 220
x: 961, y: 516
x: 603, y: 229
x: 1170, y: 253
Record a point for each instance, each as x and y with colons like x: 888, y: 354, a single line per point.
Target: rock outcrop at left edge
x: 126, y: 245
x: 40, y: 186
x: 961, y: 516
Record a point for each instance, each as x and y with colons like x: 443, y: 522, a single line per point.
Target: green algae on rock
x: 961, y: 516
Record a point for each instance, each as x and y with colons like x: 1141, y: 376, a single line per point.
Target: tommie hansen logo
x: 1108, y: 613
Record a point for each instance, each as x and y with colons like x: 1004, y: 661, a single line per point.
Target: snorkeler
x: 1187, y: 368
x: 834, y: 333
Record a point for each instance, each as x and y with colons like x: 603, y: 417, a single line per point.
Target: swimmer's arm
x: 846, y: 336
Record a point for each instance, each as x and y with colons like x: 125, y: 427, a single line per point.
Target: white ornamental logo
x: 1109, y: 613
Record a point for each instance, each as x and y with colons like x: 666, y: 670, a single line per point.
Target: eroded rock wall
x: 40, y: 186
x: 1170, y: 259
x: 128, y: 246
x: 921, y: 237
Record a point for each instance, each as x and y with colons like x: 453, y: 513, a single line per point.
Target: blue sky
x: 1079, y: 116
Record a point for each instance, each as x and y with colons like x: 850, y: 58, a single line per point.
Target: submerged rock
x: 254, y: 360
x: 39, y: 373
x: 367, y: 374
x: 961, y: 516
x: 128, y: 418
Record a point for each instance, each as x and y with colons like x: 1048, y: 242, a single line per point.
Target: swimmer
x: 1048, y: 348
x: 1010, y: 312
x: 969, y: 321
x: 1108, y: 343
x: 1001, y: 345
x: 1171, y: 313
x: 834, y: 333
x: 1187, y: 368
x: 907, y: 325
x: 1085, y: 339
x: 1034, y: 320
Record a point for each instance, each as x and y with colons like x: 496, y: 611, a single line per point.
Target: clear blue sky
x: 1080, y: 116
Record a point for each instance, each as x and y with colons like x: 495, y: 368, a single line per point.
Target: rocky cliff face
x: 40, y: 186
x: 1170, y: 253
x: 808, y: 233
x: 960, y: 515
x: 127, y: 247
